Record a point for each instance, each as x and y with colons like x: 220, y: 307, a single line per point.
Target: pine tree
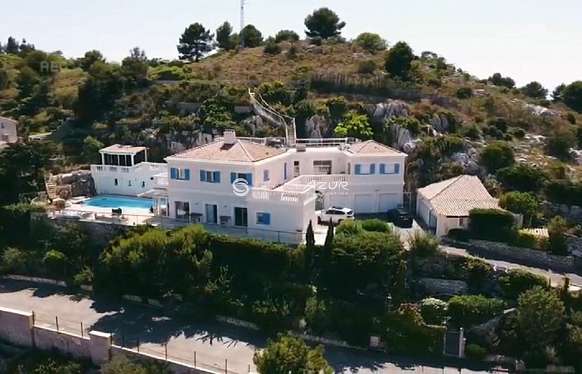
x: 224, y: 37
x: 329, y: 236
x: 195, y: 42
x: 310, y: 236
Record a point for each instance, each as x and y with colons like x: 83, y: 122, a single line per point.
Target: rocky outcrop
x: 570, y: 212
x: 390, y: 109
x: 540, y: 111
x: 440, y: 122
x: 317, y: 127
x: 468, y: 160
x: 77, y: 183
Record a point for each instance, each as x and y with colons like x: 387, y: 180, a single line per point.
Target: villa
x: 257, y: 183
x: 8, y: 131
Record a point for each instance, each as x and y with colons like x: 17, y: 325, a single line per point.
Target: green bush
x: 469, y: 310
x: 367, y: 67
x: 517, y: 281
x: 349, y: 228
x: 496, y: 156
x: 13, y: 260
x: 376, y: 225
x: 478, y: 272
x: 272, y: 48
x: 526, y: 240
x: 433, y: 310
x: 491, y: 224
x: 522, y: 178
x: 475, y: 352
x: 464, y: 93
x: 557, y: 229
x: 406, y: 332
x: 564, y: 192
x: 423, y: 244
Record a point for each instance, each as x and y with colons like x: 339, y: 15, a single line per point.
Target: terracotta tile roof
x: 456, y: 197
x: 240, y: 151
x: 371, y: 147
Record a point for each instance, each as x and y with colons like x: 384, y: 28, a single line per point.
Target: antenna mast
x: 242, y: 19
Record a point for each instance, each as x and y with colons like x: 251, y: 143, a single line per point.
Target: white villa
x: 8, y: 131
x: 248, y: 183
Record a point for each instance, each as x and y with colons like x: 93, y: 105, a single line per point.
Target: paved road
x: 213, y: 342
x: 557, y: 278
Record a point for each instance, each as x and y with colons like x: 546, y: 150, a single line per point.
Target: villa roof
x: 372, y: 148
x: 456, y: 197
x: 122, y: 149
x: 240, y: 151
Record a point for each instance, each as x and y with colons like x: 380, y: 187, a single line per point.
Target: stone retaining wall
x: 523, y: 256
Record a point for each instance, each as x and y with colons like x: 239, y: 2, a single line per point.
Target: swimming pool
x: 119, y: 202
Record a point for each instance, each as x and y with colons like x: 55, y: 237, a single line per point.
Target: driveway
x: 213, y: 342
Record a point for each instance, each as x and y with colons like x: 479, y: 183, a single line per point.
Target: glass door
x: 241, y: 217
x: 211, y: 214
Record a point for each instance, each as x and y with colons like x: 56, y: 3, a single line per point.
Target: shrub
x: 517, y: 281
x: 572, y: 96
x: 406, y: 332
x: 423, y: 244
x: 13, y: 260
x: 376, y: 225
x: 520, y: 203
x: 291, y: 355
x: 475, y: 352
x: 491, y: 224
x: 286, y: 36
x: 272, y: 48
x: 469, y: 310
x: 370, y: 42
x: 478, y: 272
x: 433, y: 310
x: 560, y: 143
x: 522, y: 178
x: 556, y: 230
x: 367, y: 67
x: 540, y: 317
x: 349, y: 228
x: 526, y: 240
x: 496, y: 156
x: 317, y: 315
x: 464, y: 93
x: 564, y: 192
x: 459, y: 234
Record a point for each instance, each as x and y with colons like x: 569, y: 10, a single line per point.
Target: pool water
x: 115, y: 202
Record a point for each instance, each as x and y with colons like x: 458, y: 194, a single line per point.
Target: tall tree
x: 195, y: 42
x: 323, y: 23
x: 540, y: 317
x: 398, y: 60
x: 12, y: 46
x: 534, y: 90
x: 572, y: 96
x: 250, y: 37
x: 224, y: 37
x: 135, y: 67
x: 310, y: 236
x: 89, y: 59
x: 329, y: 236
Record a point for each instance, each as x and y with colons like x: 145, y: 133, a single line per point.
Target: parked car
x: 336, y: 215
x: 400, y: 217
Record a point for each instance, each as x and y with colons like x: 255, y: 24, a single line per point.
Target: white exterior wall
x: 8, y: 131
x: 444, y: 224
x: 131, y: 181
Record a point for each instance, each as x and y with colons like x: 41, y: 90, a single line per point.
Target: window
x: 358, y: 170
x: 246, y: 176
x: 143, y: 184
x: 180, y: 174
x: 209, y: 176
x: 266, y: 176
x: 322, y: 167
x: 372, y: 169
x: 385, y: 169
x: 296, y: 169
x: 116, y: 182
x: 263, y: 218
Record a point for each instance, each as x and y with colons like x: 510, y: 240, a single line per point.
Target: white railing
x: 326, y: 142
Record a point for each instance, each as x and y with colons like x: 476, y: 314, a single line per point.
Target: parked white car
x: 336, y: 215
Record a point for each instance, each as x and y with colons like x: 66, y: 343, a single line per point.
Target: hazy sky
x: 527, y: 40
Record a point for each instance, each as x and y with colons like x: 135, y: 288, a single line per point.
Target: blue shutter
x: 249, y: 178
x: 232, y: 177
x: 187, y: 174
x: 263, y: 218
x: 382, y: 168
x: 202, y: 176
x: 396, y: 168
x: 267, y: 219
x: 358, y: 169
x: 173, y: 173
x: 372, y: 168
x: 216, y: 177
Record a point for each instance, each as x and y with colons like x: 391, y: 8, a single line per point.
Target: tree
x: 12, y: 46
x: 329, y: 236
x: 398, y: 60
x: 4, y: 78
x: 56, y: 263
x: 89, y: 59
x: 310, y: 235
x: 572, y: 96
x: 558, y: 92
x: 250, y: 37
x: 323, y: 23
x: 98, y: 93
x: 354, y: 125
x: 371, y: 42
x: 135, y: 67
x: 286, y: 36
x: 556, y: 230
x: 224, y: 37
x: 522, y: 177
x: 560, y: 143
x: 468, y: 310
x: 534, y: 90
x: 521, y: 203
x: 91, y: 147
x: 540, y: 317
x: 271, y: 47
x: 498, y: 80
x: 497, y: 155
x: 291, y: 355
x: 195, y: 42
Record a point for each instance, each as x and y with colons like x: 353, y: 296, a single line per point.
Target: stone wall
x: 523, y: 256
x: 47, y: 339
x: 572, y: 213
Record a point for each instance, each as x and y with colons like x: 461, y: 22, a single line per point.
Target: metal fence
x: 163, y: 352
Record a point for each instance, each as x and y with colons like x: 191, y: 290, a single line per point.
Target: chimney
x: 229, y: 137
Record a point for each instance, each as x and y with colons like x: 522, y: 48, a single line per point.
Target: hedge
x: 517, y: 281
x: 469, y: 310
x: 491, y: 224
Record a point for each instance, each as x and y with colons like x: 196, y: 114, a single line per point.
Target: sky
x: 526, y: 40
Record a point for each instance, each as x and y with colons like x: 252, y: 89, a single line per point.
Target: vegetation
x: 491, y: 224
x: 371, y: 42
x: 324, y: 23
x: 398, y: 61
x: 195, y: 42
x: 291, y: 355
x: 470, y: 310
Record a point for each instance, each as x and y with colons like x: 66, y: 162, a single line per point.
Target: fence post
x: 194, y: 359
x: 138, y: 344
x: 82, y: 333
x: 166, y: 351
x: 57, y: 322
x: 225, y: 366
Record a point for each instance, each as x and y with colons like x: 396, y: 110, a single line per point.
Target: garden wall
x: 523, y: 256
